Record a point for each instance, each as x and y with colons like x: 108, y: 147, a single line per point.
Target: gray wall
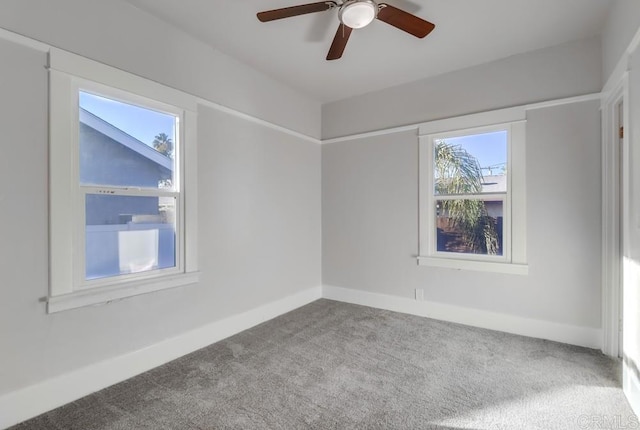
x: 370, y: 223
x: 562, y: 71
x: 259, y: 193
x: 622, y: 24
x: 118, y: 34
x: 260, y: 190
x: 370, y: 191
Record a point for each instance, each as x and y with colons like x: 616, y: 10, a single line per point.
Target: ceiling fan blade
x: 404, y: 20
x: 302, y: 9
x: 339, y: 42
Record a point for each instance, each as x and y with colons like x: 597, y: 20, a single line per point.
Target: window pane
x: 125, y: 145
x: 471, y: 164
x: 126, y: 234
x: 469, y: 226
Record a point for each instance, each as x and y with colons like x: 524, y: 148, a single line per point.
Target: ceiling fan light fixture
x: 354, y: 14
x: 358, y: 13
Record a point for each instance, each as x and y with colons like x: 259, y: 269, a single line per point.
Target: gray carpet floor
x: 331, y: 365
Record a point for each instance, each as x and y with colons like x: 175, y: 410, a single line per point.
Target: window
x: 469, y: 181
x: 121, y: 159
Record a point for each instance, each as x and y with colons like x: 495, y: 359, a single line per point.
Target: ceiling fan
x: 354, y: 14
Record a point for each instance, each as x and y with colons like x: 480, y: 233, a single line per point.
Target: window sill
x: 104, y: 295
x: 479, y: 266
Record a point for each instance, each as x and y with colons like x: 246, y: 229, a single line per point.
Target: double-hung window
x: 122, y: 184
x: 471, y: 180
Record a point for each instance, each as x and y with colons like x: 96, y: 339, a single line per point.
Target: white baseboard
x: 36, y: 399
x: 574, y: 335
x: 631, y: 387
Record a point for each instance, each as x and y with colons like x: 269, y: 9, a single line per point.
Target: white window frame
x: 513, y: 258
x: 68, y: 75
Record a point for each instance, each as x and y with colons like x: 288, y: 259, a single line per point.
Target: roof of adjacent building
x: 494, y: 184
x: 125, y: 139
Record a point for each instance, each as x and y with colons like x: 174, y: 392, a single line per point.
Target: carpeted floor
x: 332, y: 365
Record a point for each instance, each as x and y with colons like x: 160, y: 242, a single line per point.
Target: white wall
x: 562, y: 71
x: 259, y: 192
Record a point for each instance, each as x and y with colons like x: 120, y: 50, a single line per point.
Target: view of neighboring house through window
x: 123, y: 184
x: 470, y: 193
x: 129, y: 181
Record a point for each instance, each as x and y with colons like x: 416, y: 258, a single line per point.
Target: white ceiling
x: 293, y: 50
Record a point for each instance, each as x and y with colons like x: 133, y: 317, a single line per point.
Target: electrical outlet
x: 419, y: 294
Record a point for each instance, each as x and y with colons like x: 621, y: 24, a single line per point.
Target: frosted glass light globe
x: 358, y: 14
